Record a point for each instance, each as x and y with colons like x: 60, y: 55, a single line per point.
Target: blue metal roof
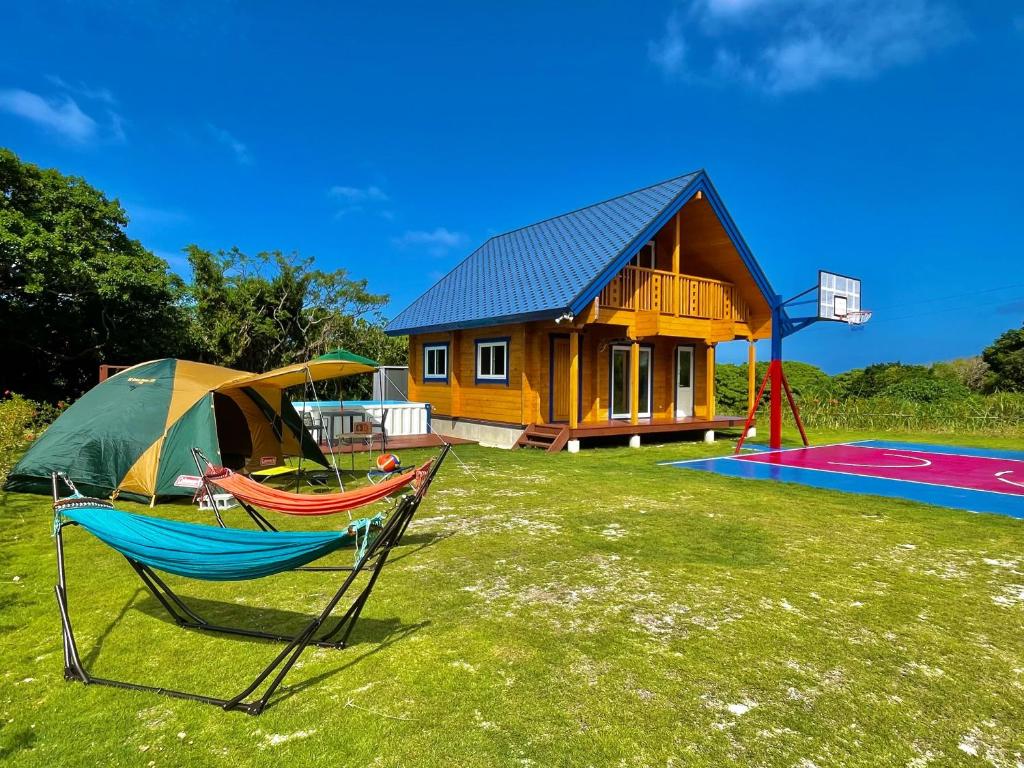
x: 555, y: 266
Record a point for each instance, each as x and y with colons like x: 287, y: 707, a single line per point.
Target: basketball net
x: 857, y: 320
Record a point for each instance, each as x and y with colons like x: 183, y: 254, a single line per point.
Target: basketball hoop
x: 857, y: 319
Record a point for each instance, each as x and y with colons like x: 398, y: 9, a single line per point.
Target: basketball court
x: 973, y: 479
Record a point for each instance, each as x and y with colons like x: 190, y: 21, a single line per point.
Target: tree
x: 1005, y: 358
x: 971, y: 372
x: 878, y: 379
x: 259, y: 312
x: 731, y: 383
x: 75, y: 290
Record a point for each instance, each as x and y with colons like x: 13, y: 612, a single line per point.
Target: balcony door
x: 684, y: 382
x: 619, y: 381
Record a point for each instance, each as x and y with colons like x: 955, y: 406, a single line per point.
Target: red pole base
x: 775, y: 416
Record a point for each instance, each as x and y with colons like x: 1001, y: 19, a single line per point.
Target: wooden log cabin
x: 598, y: 322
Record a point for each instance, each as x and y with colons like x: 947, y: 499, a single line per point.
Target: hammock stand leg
x: 380, y: 548
x: 189, y: 619
x: 199, y: 458
x: 291, y: 652
x: 73, y: 668
x: 164, y: 594
x: 257, y: 518
x: 389, y: 538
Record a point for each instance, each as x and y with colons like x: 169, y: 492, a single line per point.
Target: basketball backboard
x: 838, y: 296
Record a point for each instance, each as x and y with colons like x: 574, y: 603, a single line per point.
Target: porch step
x: 549, y: 438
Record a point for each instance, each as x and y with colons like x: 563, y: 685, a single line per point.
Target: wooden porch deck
x: 554, y: 436
x: 647, y: 426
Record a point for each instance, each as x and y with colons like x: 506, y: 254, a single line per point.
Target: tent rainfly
x: 131, y: 436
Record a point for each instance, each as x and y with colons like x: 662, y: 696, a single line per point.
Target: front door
x: 559, y: 378
x: 684, y: 382
x: 620, y: 401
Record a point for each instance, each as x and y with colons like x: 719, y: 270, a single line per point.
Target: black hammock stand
x: 314, y: 633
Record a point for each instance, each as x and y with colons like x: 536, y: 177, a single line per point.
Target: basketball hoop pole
x: 775, y: 372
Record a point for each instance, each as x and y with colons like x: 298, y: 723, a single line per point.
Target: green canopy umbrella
x: 344, y: 356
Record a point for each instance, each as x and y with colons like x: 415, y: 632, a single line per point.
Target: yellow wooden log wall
x: 526, y: 398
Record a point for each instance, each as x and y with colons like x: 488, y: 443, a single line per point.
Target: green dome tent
x: 132, y: 435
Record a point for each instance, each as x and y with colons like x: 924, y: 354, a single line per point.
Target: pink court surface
x: 973, y: 479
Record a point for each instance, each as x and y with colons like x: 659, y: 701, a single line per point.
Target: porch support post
x: 574, y: 379
x: 751, y: 374
x: 751, y: 382
x: 676, y: 287
x: 634, y: 382
x: 710, y: 372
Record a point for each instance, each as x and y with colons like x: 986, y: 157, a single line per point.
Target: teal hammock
x: 211, y: 553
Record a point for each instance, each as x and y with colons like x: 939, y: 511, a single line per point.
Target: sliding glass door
x: 619, y: 381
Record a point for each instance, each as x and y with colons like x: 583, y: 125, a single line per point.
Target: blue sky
x: 879, y: 139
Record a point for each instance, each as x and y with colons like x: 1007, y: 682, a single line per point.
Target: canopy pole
x: 320, y: 413
x: 302, y: 432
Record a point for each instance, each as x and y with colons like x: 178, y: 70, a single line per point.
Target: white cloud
x: 669, y: 53
x: 783, y: 46
x: 437, y: 241
x: 84, y: 91
x: 734, y: 7
x: 61, y: 114
x: 357, y: 199
x: 116, y: 123
x: 238, y: 149
x: 358, y: 194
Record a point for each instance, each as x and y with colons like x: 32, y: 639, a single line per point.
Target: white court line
x: 757, y: 453
x: 935, y: 453
x: 925, y: 463
x: 1000, y: 478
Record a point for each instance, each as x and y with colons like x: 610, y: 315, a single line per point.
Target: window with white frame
x: 435, y: 362
x: 492, y: 360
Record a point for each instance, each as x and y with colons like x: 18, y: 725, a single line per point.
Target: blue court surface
x: 972, y: 479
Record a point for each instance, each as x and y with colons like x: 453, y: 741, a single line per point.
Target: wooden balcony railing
x: 653, y: 290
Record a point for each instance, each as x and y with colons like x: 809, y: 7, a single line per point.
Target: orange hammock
x: 250, y: 491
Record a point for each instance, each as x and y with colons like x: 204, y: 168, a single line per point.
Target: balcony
x: 666, y: 293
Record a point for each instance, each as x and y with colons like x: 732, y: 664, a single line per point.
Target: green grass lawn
x: 579, y: 610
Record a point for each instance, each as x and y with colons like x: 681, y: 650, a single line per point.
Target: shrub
x: 999, y: 414
x: 926, y: 389
x: 731, y: 384
x: 21, y: 420
x: 16, y: 417
x: 972, y: 372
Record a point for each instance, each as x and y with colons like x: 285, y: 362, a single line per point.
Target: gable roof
x: 559, y: 265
